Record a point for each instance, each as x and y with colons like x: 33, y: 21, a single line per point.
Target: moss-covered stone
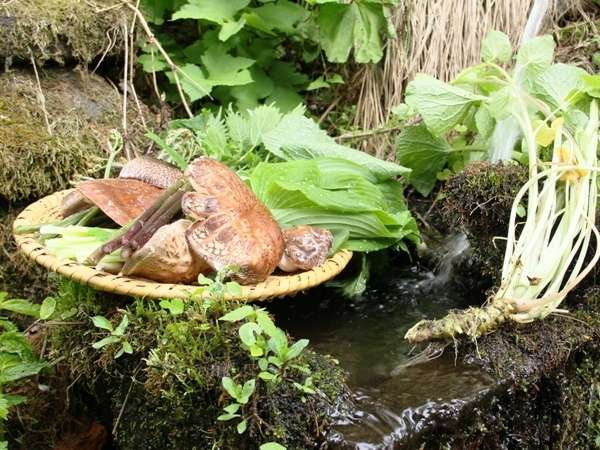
x: 168, y: 393
x: 60, y: 30
x: 19, y: 276
x: 81, y: 110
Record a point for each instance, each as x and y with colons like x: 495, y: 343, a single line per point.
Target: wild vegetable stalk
x: 134, y: 236
x: 548, y: 259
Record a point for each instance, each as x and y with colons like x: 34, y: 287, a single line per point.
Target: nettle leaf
x: 441, y: 105
x: 358, y: 26
x: 559, y: 85
x: 496, y: 47
x: 424, y: 153
x: 534, y: 57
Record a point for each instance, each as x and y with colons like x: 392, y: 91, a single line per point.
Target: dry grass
x: 439, y: 37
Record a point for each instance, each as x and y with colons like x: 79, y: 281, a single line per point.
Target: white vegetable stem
x: 559, y: 225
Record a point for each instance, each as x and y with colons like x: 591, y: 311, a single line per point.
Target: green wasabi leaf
x: 441, y: 105
x: 560, y: 85
x: 424, y: 153
x: 534, y: 57
x: 496, y: 47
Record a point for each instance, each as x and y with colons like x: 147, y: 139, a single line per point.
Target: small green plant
x: 17, y: 359
x: 241, y: 394
x: 117, y: 335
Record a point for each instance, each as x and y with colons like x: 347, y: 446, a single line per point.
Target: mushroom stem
x: 127, y: 233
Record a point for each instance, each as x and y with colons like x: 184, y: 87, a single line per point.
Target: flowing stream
x: 393, y: 389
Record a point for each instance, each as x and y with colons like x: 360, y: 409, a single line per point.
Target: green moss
x: 479, y: 200
x: 178, y: 363
x: 81, y: 109
x: 60, y: 30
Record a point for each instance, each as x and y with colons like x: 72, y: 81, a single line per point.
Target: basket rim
x: 47, y: 209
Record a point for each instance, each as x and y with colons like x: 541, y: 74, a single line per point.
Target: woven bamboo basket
x: 47, y: 210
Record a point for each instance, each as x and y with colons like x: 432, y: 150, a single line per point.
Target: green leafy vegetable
x: 496, y: 47
x: 336, y: 194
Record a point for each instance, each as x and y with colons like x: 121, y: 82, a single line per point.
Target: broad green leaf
x: 281, y: 15
x: 193, y: 81
x: 298, y: 137
x: 501, y: 103
x: 484, y: 122
x: 228, y: 29
x: 238, y: 314
x: 356, y: 26
x: 217, y: 11
x: 272, y: 446
x: 226, y: 70
x: 558, y: 85
x: 154, y: 10
x: 19, y: 371
x: 534, y: 57
x: 102, y: 322
x: 285, y: 98
x: 106, y: 341
x: 241, y: 427
x: 424, y: 153
x: 496, y: 47
x: 591, y: 85
x: 249, y: 128
x: 247, y: 391
x: 256, y: 351
x: 48, y: 307
x: 174, y: 306
x: 441, y: 105
x: 20, y: 306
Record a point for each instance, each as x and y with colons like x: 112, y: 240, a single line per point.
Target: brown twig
x: 368, y: 133
x: 174, y: 68
x: 41, y: 97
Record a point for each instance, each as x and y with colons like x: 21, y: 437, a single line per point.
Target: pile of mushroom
x: 224, y: 225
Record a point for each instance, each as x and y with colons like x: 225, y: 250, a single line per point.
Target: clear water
x: 367, y: 336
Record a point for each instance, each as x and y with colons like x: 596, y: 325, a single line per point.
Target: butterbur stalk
x: 550, y: 255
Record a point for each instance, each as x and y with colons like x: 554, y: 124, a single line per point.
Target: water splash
x: 454, y: 248
x: 507, y: 131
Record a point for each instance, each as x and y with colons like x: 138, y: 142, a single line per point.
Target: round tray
x: 47, y: 210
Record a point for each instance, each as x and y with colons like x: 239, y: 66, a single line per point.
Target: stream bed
x: 394, y: 392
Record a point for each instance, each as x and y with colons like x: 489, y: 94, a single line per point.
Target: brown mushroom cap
x: 121, y: 200
x: 166, y: 257
x: 151, y: 170
x: 235, y: 228
x: 306, y: 247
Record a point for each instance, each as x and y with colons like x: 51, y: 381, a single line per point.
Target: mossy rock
x: 81, y: 109
x: 168, y: 393
x: 19, y: 276
x: 60, y: 30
